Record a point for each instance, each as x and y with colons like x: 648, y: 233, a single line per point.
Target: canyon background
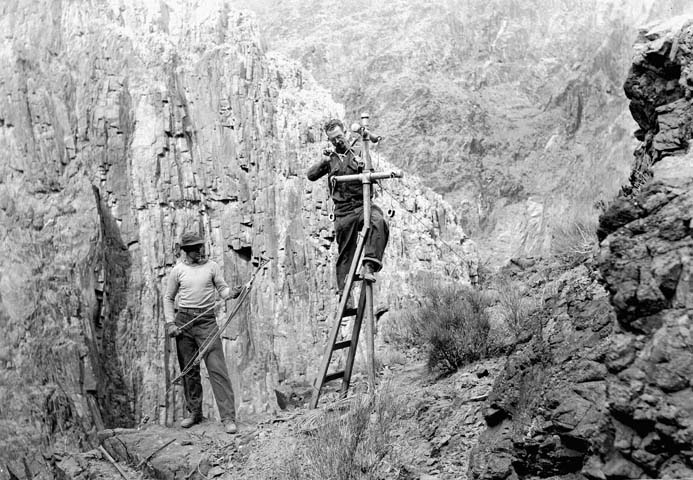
x: 122, y: 124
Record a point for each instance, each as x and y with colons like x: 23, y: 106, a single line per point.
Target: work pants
x: 347, y: 227
x: 188, y: 343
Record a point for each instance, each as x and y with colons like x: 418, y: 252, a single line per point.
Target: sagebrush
x: 516, y: 308
x: 574, y: 241
x: 452, y: 325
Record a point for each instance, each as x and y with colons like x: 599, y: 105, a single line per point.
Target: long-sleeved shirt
x: 196, y: 285
x: 347, y: 196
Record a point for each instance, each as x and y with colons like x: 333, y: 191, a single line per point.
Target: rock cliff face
x: 605, y: 391
x: 121, y: 126
x: 506, y: 107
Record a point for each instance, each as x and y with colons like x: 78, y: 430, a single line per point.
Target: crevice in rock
x: 245, y: 252
x: 111, y: 256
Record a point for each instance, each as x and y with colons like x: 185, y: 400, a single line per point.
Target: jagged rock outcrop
x: 604, y: 392
x: 659, y: 89
x: 122, y: 125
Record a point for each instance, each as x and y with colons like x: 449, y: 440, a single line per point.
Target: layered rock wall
x: 121, y: 126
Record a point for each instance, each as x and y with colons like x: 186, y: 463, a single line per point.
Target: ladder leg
x: 355, y: 332
x: 334, y: 332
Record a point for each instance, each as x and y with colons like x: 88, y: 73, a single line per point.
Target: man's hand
x: 235, y: 292
x: 172, y: 329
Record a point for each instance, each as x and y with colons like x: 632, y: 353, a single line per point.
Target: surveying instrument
x: 366, y: 176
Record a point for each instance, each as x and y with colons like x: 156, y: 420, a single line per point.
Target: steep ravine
x: 121, y: 126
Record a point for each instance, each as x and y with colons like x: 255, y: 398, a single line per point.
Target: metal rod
x: 370, y: 333
x: 366, y: 181
x: 369, y: 176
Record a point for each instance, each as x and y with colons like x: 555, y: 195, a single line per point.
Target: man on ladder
x: 362, y: 235
x: 348, y: 205
x: 197, y: 280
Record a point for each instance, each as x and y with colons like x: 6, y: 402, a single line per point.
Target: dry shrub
x: 574, y: 241
x: 516, y: 308
x: 399, y: 329
x: 453, y: 324
x: 349, y: 443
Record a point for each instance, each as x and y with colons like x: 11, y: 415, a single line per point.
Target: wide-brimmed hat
x: 188, y: 239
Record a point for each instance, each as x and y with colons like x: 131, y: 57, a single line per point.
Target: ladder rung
x: 349, y: 312
x: 334, y: 376
x: 340, y: 345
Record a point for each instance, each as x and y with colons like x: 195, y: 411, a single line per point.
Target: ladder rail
x: 334, y: 332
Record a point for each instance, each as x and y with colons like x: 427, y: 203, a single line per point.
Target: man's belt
x: 197, y: 311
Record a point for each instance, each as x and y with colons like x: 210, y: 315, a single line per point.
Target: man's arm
x: 222, y: 287
x: 319, y: 169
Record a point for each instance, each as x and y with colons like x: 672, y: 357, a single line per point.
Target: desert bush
x: 349, y: 442
x: 516, y: 308
x: 575, y: 240
x: 453, y: 324
x: 400, y: 329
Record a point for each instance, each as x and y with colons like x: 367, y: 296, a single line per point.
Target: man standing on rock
x: 348, y: 205
x: 196, y: 280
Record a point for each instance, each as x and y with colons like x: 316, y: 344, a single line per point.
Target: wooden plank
x: 115, y: 464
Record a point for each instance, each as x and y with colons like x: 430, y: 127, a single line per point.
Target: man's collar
x: 187, y: 261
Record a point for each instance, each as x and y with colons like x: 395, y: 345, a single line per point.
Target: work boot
x: 191, y: 420
x: 368, y: 272
x: 230, y: 427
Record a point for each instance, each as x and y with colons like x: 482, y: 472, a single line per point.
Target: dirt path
x: 438, y: 422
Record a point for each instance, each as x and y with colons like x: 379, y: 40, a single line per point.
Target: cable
x: 420, y: 221
x: 392, y: 197
x: 202, y: 351
x: 184, y: 326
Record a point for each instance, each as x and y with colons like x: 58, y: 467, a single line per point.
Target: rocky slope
x: 603, y: 390
x: 507, y: 108
x: 121, y: 126
x: 437, y: 422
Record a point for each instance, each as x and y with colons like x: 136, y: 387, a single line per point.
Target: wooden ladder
x: 351, y: 343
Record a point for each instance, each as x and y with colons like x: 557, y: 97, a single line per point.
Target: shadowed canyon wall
x: 121, y: 126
